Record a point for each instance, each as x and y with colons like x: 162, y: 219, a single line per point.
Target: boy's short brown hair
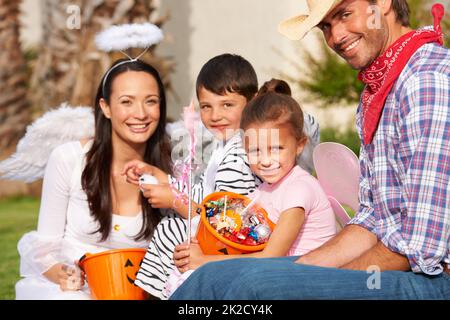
x: 228, y: 73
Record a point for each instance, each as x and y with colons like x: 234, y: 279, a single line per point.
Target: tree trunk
x: 14, y: 109
x: 69, y: 67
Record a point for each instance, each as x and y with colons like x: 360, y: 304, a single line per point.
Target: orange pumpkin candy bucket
x: 213, y: 242
x: 111, y: 274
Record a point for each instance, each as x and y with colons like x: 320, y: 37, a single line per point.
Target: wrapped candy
x: 263, y: 232
x: 239, y: 223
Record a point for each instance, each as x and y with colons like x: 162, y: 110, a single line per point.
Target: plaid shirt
x: 405, y: 171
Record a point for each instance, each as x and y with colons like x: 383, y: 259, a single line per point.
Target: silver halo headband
x: 126, y: 36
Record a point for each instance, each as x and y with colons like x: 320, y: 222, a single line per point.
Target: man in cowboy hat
x: 397, y: 246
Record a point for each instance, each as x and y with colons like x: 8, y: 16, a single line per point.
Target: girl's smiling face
x: 272, y: 150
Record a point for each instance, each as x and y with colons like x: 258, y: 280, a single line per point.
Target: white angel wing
x: 52, y: 129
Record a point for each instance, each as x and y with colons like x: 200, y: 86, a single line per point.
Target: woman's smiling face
x: 134, y: 108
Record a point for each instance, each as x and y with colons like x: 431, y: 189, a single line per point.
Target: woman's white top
x: 66, y: 229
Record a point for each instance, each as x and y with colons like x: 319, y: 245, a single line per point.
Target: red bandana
x: 381, y: 75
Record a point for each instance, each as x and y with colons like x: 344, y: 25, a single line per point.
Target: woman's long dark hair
x: 96, y: 177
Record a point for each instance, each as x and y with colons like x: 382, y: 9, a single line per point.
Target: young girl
x: 294, y: 200
x: 86, y: 205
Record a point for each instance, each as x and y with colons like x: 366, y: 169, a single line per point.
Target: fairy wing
x: 52, y: 129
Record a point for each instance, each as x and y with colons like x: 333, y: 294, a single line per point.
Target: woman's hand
x: 135, y: 168
x: 68, y: 277
x: 189, y: 257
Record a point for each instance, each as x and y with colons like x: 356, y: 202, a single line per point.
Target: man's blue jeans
x: 282, y: 279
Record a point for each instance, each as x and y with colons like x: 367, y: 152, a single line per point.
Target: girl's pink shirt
x: 299, y: 189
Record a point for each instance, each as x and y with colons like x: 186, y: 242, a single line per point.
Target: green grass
x: 349, y: 210
x: 17, y: 216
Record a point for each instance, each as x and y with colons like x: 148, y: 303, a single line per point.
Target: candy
x: 217, y: 203
x: 262, y: 231
x: 222, y: 224
x: 253, y: 235
x: 241, y: 236
x: 254, y: 220
x: 233, y: 237
x: 249, y: 241
x: 210, y: 212
x: 248, y: 227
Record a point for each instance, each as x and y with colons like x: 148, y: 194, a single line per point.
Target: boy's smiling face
x: 221, y: 114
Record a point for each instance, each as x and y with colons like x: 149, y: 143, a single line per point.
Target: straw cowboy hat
x: 297, y: 27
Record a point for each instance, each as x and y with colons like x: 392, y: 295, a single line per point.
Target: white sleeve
x: 39, y: 250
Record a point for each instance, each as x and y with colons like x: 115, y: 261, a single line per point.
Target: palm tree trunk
x: 14, y: 108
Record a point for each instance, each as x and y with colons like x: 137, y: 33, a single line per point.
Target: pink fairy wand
x: 190, y: 119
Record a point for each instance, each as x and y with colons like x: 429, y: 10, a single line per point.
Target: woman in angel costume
x: 87, y: 205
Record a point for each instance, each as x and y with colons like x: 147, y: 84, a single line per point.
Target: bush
x: 320, y: 80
